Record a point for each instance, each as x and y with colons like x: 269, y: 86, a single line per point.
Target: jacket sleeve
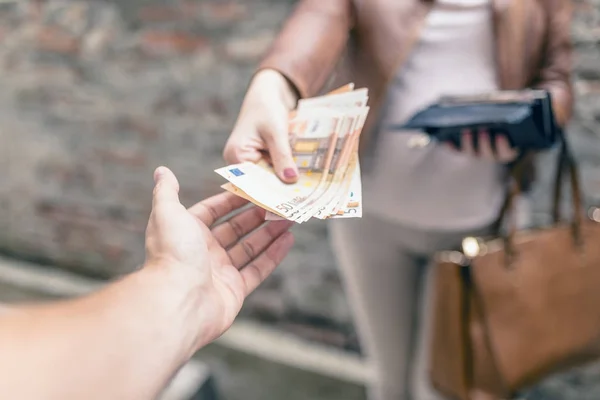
x: 311, y: 43
x: 555, y: 73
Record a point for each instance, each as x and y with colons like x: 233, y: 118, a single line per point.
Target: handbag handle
x: 566, y: 164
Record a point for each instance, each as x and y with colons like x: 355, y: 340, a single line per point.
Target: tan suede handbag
x: 510, y: 311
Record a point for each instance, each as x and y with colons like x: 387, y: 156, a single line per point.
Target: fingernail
x: 158, y: 173
x: 289, y: 173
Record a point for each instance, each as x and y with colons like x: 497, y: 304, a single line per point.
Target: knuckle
x: 231, y: 151
x: 212, y: 211
x: 267, y: 133
x: 235, y: 226
x: 157, y: 188
x: 257, y: 272
x: 227, y: 153
x: 249, y: 249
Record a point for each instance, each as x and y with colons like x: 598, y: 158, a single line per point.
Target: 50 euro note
x: 352, y: 202
x: 349, y: 179
x: 259, y: 183
x: 353, y: 105
x: 333, y: 170
x: 323, y: 132
x: 338, y: 189
x: 336, y: 179
x: 342, y: 99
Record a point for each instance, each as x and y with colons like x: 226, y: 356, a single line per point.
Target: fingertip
x: 164, y: 177
x: 159, y: 173
x: 502, y: 139
x: 289, y: 174
x: 466, y: 139
x: 163, y: 172
x: 286, y: 168
x: 450, y: 146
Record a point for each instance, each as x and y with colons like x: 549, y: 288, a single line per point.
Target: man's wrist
x: 180, y: 293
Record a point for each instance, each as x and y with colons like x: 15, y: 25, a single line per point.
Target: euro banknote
x: 324, y: 133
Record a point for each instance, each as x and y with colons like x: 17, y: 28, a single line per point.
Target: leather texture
x: 325, y: 44
x: 523, y: 308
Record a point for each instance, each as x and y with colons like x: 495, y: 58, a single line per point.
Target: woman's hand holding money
x: 262, y: 125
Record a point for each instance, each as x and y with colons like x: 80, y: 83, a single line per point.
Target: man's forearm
x: 123, y: 342
x: 4, y: 308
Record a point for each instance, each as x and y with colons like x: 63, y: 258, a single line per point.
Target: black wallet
x: 524, y: 117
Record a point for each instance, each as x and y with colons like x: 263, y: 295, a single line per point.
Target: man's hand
x: 226, y: 263
x: 503, y: 152
x: 262, y: 125
x: 127, y: 340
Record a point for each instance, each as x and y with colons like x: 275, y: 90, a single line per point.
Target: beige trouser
x: 386, y: 272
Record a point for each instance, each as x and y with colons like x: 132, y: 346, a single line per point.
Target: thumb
x: 166, y: 189
x: 280, y: 151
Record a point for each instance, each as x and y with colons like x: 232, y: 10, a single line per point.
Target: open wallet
x: 525, y: 117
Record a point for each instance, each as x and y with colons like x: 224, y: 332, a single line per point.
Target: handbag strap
x: 514, y: 177
x: 515, y: 170
x: 566, y: 164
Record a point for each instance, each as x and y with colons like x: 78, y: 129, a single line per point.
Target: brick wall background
x: 95, y: 94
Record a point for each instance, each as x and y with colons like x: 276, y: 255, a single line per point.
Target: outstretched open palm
x: 229, y: 257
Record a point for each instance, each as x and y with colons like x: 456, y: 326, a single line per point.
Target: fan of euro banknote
x: 324, y: 133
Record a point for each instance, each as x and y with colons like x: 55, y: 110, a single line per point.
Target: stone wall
x: 96, y: 94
